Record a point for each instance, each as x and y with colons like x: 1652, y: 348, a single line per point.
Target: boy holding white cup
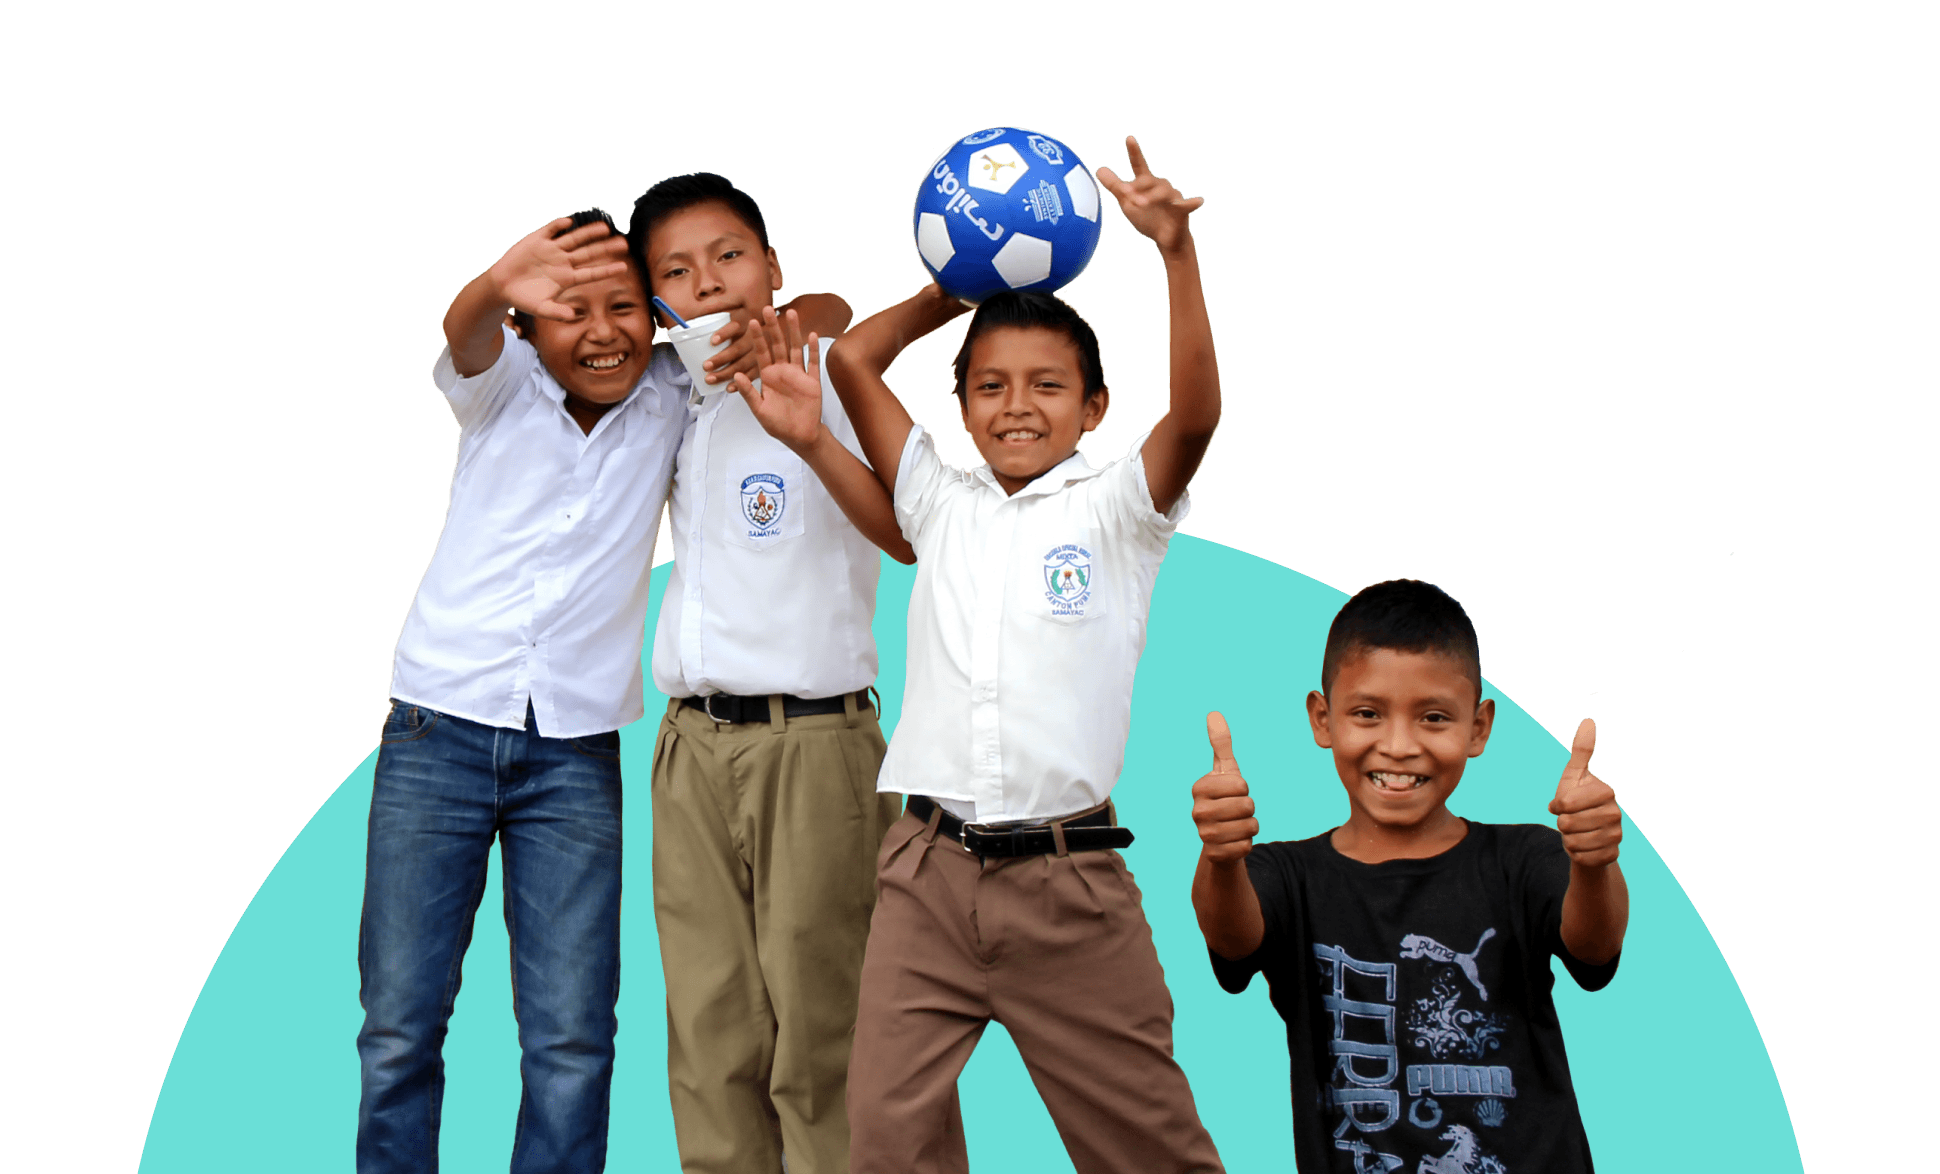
x: 766, y: 819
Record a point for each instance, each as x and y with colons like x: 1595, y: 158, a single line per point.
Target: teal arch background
x: 1668, y: 1064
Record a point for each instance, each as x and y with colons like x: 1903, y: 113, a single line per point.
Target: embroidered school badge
x: 1067, y: 579
x: 764, y: 498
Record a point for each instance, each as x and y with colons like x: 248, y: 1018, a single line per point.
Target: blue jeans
x: 446, y: 788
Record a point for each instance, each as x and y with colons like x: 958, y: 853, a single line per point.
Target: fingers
x: 1222, y: 744
x: 815, y: 358
x: 582, y: 275
x: 1139, y: 166
x: 585, y: 235
x: 738, y: 355
x: 1224, y: 815
x: 1590, y: 822
x: 553, y: 310
x: 1108, y: 179
x: 793, y: 326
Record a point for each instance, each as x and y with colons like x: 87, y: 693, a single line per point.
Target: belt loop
x: 936, y: 817
x: 849, y: 709
x: 1057, y: 836
x: 777, y: 714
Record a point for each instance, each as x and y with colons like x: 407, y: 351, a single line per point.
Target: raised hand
x: 1585, y: 807
x: 545, y: 264
x: 1220, y: 804
x: 788, y: 404
x: 1152, y: 204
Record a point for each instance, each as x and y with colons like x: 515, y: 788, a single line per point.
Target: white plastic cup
x: 692, y: 345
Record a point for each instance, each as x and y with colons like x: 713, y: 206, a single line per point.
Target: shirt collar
x: 1069, y: 471
x: 550, y: 388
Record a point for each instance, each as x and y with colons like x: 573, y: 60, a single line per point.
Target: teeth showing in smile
x: 604, y: 362
x: 1018, y: 434
x: 1391, y: 781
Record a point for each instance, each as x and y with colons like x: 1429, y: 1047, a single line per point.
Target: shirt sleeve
x: 1545, y: 869
x: 477, y: 399
x: 1129, y: 500
x: 1267, y: 866
x: 920, y: 476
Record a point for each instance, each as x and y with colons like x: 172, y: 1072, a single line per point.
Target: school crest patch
x: 1067, y: 579
x: 764, y: 499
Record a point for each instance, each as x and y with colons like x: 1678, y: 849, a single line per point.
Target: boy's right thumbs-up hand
x: 1220, y: 804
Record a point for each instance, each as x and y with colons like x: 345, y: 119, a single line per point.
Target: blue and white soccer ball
x: 1006, y: 209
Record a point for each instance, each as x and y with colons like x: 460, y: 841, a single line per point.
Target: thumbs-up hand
x: 1220, y: 805
x: 1585, y: 807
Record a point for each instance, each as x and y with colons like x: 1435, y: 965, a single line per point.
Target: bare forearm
x: 1228, y: 908
x: 824, y: 314
x: 1179, y: 441
x: 1596, y: 911
x: 474, y: 325
x: 1195, y: 369
x: 874, y: 344
x: 856, y: 366
x: 863, y: 498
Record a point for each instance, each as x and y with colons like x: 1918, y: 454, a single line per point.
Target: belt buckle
x: 707, y: 707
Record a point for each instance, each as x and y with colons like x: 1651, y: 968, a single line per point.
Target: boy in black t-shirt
x: 1408, y: 949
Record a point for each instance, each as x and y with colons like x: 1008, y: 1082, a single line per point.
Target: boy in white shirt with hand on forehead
x: 999, y: 895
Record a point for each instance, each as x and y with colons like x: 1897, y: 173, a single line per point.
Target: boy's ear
x: 1478, y: 735
x: 1096, y: 405
x: 1317, y: 718
x: 774, y: 271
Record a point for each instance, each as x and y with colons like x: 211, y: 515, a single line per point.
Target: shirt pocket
x: 765, y: 498
x: 1062, y: 576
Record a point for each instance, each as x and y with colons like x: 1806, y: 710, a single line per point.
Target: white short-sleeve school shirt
x: 1025, y: 628
x: 538, y: 589
x: 773, y: 588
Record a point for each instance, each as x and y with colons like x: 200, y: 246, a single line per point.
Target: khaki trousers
x: 764, y: 842
x: 1055, y: 948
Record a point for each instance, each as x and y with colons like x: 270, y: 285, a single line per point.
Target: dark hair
x: 1033, y: 309
x: 682, y: 192
x: 1405, y: 615
x: 524, y: 320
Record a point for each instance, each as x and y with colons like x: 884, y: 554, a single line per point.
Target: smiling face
x: 704, y: 259
x: 1024, y: 401
x: 1402, y: 726
x: 599, y: 356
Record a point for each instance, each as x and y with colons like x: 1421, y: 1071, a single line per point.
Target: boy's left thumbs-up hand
x: 1585, y: 806
x: 1221, y: 807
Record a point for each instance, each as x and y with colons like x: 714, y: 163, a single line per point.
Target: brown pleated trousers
x: 764, y: 848
x: 1055, y: 948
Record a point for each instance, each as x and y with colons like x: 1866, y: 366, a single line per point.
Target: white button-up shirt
x: 538, y: 588
x: 1025, y: 628
x: 773, y: 588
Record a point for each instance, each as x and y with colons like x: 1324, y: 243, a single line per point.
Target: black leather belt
x: 1091, y: 832
x: 735, y: 710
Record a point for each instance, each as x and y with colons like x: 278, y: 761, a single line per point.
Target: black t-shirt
x: 1417, y: 1000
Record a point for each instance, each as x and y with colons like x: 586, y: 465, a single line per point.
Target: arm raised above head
x: 858, y: 361
x: 1179, y: 440
x: 531, y: 274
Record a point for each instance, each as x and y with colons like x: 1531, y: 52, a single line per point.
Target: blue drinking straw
x: 669, y: 312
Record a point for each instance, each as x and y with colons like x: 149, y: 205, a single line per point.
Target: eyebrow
x: 1031, y: 372
x: 710, y: 246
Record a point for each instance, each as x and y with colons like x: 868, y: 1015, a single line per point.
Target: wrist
x: 1181, y: 250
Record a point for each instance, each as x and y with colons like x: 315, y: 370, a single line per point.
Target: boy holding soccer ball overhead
x: 999, y: 894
